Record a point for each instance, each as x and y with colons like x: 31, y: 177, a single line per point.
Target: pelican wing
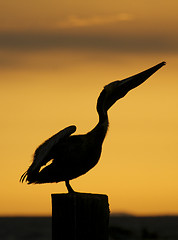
x: 41, y: 153
x: 43, y: 150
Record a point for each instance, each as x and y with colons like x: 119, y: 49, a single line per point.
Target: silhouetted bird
x: 74, y: 155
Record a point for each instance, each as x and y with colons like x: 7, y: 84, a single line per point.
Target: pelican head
x: 118, y: 89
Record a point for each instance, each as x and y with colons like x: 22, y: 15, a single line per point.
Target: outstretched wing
x: 41, y: 153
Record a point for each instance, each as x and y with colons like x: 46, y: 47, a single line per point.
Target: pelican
x: 71, y: 156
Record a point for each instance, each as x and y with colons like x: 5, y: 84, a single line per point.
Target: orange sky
x: 55, y: 59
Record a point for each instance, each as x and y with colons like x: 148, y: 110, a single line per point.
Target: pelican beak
x: 119, y: 89
x: 136, y: 80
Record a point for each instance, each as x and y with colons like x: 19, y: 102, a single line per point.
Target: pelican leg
x: 69, y: 188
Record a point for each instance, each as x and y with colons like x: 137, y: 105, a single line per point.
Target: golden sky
x: 55, y: 58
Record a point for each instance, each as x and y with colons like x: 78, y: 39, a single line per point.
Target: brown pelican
x: 74, y: 155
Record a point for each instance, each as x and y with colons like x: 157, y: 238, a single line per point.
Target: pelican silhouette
x: 74, y: 155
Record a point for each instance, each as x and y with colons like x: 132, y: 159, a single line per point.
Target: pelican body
x: 74, y: 155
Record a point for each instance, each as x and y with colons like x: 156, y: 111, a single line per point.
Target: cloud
x: 101, y: 33
x: 43, y: 50
x: 77, y: 21
x: 117, y: 42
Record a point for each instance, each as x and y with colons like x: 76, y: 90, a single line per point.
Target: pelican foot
x: 69, y: 188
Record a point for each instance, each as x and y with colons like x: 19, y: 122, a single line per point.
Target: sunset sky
x: 55, y: 58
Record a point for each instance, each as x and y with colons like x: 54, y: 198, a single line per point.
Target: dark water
x: 146, y: 228
x: 128, y: 228
x: 25, y: 228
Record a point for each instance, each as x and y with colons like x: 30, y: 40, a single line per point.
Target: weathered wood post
x: 80, y: 216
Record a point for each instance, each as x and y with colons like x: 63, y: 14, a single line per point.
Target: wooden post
x: 80, y: 216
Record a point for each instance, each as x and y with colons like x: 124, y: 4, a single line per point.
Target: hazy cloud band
x: 35, y: 41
